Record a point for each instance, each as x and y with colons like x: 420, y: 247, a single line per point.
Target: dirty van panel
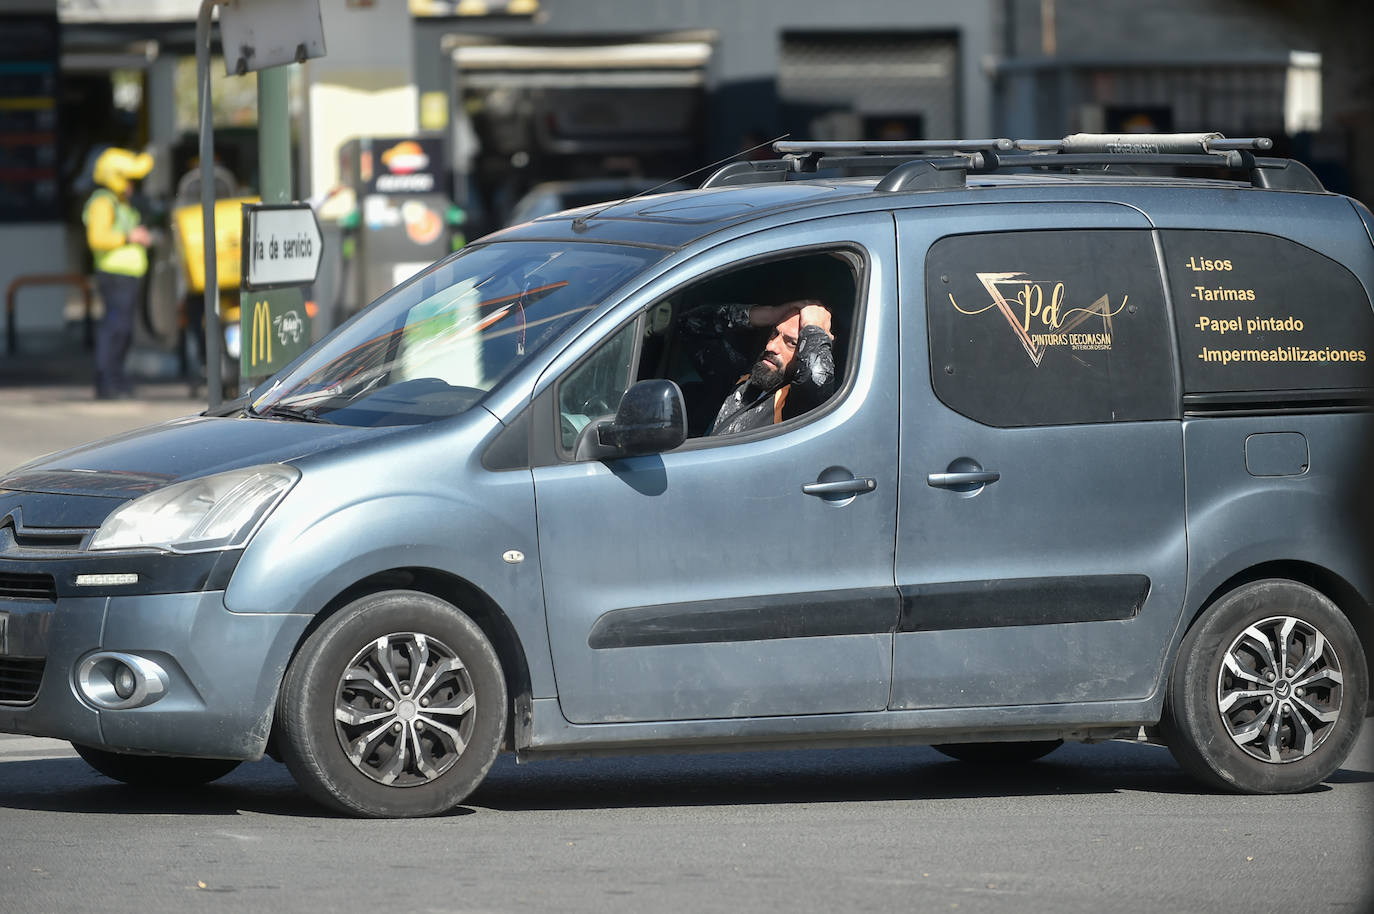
x: 1297, y: 505
x: 1050, y: 328
x: 1262, y: 313
x: 1042, y: 562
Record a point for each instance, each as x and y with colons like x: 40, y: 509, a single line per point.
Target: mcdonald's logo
x: 261, y: 339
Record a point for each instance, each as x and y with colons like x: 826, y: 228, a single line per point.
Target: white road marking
x: 14, y: 748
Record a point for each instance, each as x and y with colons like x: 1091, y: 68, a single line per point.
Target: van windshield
x: 434, y: 346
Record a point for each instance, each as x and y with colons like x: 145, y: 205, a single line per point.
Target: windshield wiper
x: 300, y: 414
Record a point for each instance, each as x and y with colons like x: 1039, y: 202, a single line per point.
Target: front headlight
x: 214, y: 512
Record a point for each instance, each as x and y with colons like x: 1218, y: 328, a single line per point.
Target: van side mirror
x: 652, y: 418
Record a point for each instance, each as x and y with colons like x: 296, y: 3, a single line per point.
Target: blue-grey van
x: 1085, y: 470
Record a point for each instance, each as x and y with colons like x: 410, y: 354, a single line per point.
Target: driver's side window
x: 663, y: 342
x: 592, y: 390
x: 702, y: 340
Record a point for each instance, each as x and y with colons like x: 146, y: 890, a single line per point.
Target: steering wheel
x: 596, y: 405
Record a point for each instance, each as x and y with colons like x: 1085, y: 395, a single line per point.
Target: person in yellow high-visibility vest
x: 119, y: 245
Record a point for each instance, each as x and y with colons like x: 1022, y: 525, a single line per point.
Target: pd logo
x: 1039, y: 316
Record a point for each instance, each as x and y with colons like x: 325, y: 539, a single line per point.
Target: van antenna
x: 580, y: 223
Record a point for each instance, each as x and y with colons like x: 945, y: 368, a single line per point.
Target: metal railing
x: 47, y: 279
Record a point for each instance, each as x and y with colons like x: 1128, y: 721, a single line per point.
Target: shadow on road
x: 70, y: 785
x: 726, y: 779
x: 825, y: 776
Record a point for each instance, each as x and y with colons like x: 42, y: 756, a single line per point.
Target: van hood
x: 137, y: 462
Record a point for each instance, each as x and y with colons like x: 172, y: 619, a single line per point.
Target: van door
x: 1040, y: 550
x: 705, y: 582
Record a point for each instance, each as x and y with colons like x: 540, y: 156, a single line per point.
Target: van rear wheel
x: 394, y: 707
x: 1268, y: 692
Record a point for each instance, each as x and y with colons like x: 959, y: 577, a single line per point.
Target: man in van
x: 794, y: 373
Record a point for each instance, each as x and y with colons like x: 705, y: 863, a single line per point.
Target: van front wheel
x: 394, y: 707
x: 1268, y: 692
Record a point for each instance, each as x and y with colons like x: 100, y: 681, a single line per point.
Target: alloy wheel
x: 404, y: 709
x: 1279, y: 689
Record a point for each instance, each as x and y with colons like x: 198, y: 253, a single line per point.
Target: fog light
x: 124, y: 682
x: 116, y: 681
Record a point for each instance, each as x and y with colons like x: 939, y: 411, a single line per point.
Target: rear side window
x: 1049, y: 328
x: 1257, y: 312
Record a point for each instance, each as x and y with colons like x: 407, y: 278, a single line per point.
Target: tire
x: 413, y: 688
x: 1223, y: 733
x: 999, y: 753
x: 160, y: 771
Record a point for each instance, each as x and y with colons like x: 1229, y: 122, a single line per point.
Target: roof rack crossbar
x: 778, y: 170
x: 891, y: 147
x: 929, y: 164
x: 872, y: 164
x: 1270, y: 173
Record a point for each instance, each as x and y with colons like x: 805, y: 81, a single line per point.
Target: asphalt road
x: 1113, y: 826
x: 1110, y: 827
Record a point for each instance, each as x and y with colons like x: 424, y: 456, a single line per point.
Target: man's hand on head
x: 769, y: 316
x: 813, y: 313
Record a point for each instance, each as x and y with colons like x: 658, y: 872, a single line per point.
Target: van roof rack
x: 942, y: 164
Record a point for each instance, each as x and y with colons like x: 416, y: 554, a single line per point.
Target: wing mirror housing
x: 652, y: 418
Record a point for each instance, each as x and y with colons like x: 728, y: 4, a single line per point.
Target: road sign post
x: 255, y: 35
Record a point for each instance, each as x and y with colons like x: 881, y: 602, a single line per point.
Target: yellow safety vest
x: 127, y: 259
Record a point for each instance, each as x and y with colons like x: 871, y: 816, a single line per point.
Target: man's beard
x: 765, y: 375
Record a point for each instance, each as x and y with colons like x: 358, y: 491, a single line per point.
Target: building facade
x: 522, y: 91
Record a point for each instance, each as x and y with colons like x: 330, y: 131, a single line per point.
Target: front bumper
x: 223, y: 670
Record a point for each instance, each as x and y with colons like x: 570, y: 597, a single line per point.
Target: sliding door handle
x: 856, y: 486
x: 954, y: 480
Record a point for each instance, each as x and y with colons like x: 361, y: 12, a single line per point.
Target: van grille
x: 19, y: 679
x: 14, y: 586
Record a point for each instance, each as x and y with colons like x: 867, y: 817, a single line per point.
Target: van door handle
x: 855, y: 486
x: 950, y: 480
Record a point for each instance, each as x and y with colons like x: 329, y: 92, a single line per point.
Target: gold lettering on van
x: 1039, y: 318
